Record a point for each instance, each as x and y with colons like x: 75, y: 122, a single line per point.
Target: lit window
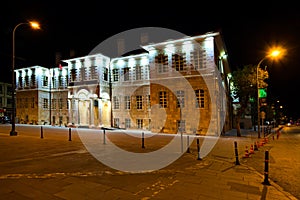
x: 199, y: 98
x: 161, y: 63
x: 45, y: 103
x: 127, y: 102
x: 163, y: 99
x: 139, y: 102
x: 178, y: 63
x: 139, y: 123
x: 115, y: 75
x: 116, y: 102
x: 138, y: 72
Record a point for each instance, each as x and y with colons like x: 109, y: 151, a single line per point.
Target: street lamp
x: 34, y: 25
x: 272, y: 54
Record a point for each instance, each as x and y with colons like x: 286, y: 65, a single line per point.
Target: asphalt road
x: 284, y: 164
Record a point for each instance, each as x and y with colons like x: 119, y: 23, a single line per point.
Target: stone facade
x: 174, y: 86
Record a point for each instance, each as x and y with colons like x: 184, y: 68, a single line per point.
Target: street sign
x: 262, y: 92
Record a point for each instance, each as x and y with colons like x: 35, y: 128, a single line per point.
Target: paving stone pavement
x: 56, y: 169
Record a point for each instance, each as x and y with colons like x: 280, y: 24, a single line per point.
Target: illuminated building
x: 145, y: 91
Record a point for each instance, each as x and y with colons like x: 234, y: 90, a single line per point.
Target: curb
x: 275, y: 185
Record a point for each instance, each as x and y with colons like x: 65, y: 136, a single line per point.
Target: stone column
x: 92, y: 113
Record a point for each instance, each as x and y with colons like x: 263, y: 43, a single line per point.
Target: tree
x: 244, y: 88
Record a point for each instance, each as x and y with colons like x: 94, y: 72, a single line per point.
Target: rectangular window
x: 180, y: 98
x: 127, y: 102
x: 126, y: 73
x: 73, y: 75
x: 197, y: 58
x: 161, y: 63
x: 139, y: 123
x: 115, y: 75
x: 139, y: 102
x: 127, y: 123
x: 105, y: 74
x: 138, y: 72
x: 53, y: 81
x: 163, y: 99
x: 199, y: 98
x: 45, y: 103
x: 45, y: 81
x: 93, y: 72
x: 178, y: 63
x: 116, y: 102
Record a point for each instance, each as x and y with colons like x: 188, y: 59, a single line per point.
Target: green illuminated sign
x: 262, y: 92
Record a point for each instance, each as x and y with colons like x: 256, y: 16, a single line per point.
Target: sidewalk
x: 51, y: 168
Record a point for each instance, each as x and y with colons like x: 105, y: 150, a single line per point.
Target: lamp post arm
x: 258, y: 65
x: 13, y: 44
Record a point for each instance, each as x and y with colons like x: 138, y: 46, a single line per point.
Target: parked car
x: 5, y: 119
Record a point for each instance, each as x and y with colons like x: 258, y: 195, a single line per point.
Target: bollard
x: 266, y: 172
x: 42, y: 135
x: 255, y: 146
x: 143, y: 141
x: 237, y: 162
x: 70, y: 136
x: 104, y: 142
x: 198, y: 148
x: 188, y: 144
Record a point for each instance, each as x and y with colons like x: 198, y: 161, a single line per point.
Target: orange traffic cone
x: 262, y: 142
x: 258, y: 144
x: 251, y: 149
x: 246, y: 153
x: 266, y: 140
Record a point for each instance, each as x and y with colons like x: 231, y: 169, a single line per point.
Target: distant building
x: 41, y: 95
x: 5, y: 99
x: 174, y: 86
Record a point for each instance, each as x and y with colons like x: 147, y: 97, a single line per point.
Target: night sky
x: 248, y: 30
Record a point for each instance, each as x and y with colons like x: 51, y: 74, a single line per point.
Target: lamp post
x: 258, y: 103
x: 34, y: 25
x: 273, y: 54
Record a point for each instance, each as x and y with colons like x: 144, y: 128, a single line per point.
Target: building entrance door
x: 84, y: 112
